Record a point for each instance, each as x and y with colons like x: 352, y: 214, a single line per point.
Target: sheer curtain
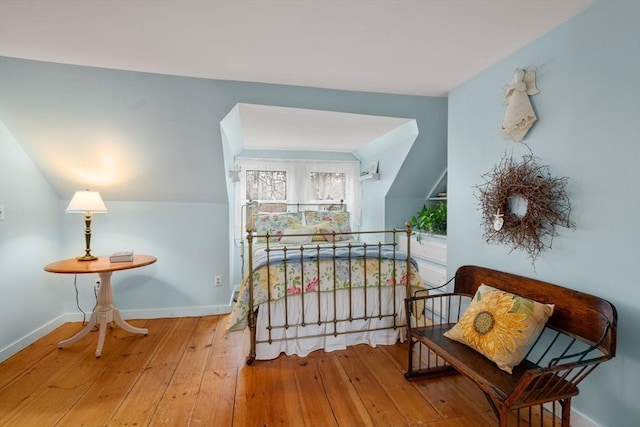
x: 298, y: 172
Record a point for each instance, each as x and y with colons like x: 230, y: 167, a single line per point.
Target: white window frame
x: 297, y: 181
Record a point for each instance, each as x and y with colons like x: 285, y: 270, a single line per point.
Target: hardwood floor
x: 187, y: 373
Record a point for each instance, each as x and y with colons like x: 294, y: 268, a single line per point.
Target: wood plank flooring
x: 186, y: 372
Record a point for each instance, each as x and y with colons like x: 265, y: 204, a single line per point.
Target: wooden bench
x: 579, y: 336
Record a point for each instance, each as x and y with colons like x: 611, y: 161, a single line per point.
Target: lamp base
x: 87, y: 258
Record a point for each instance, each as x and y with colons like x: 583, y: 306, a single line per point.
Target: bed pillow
x: 288, y: 239
x: 338, y: 221
x: 500, y: 325
x: 328, y: 235
x: 318, y: 236
x: 275, y: 224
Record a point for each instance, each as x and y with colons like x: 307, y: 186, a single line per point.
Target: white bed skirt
x: 302, y: 340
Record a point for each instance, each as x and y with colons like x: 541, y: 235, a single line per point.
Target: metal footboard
x: 359, y: 295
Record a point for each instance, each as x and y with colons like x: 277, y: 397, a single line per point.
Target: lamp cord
x: 75, y: 285
x: 95, y: 295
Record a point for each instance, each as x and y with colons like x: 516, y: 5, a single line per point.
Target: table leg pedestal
x: 104, y: 313
x: 77, y: 337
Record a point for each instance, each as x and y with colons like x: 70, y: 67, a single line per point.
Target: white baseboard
x: 577, y: 418
x: 159, y: 313
x: 31, y: 337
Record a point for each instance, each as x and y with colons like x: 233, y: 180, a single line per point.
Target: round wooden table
x: 105, y: 312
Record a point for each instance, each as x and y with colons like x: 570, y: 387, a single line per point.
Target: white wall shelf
x: 366, y: 176
x: 439, y: 187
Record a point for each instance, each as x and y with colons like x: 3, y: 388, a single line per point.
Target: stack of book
x: 126, y: 256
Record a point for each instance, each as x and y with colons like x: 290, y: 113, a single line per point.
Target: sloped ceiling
x: 293, y: 129
x: 413, y: 47
x: 154, y: 136
x: 131, y: 136
x: 150, y: 137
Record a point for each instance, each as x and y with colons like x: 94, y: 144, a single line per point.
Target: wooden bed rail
x: 579, y: 336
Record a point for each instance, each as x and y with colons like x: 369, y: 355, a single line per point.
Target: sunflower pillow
x: 501, y: 325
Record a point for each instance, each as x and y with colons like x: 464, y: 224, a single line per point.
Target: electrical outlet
x: 218, y: 280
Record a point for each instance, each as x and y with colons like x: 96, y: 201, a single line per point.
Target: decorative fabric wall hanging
x: 519, y: 116
x: 522, y: 204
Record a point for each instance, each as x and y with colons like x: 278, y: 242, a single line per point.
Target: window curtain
x: 297, y: 180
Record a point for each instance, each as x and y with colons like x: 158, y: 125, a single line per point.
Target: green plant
x: 431, y: 219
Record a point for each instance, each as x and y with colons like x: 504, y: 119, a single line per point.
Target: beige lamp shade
x: 86, y: 201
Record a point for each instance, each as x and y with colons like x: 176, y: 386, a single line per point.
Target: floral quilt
x: 280, y: 273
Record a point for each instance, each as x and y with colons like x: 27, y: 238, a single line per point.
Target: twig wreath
x: 543, y: 205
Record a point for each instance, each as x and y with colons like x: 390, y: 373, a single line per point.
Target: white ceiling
x: 281, y: 128
x: 415, y: 47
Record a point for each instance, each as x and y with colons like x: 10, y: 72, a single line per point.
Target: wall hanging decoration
x: 522, y: 204
x: 519, y: 116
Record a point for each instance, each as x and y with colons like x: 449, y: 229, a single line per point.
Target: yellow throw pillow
x: 318, y: 237
x: 287, y: 237
x: 501, y: 325
x: 331, y: 237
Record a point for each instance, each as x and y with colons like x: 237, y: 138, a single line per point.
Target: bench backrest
x: 576, y: 314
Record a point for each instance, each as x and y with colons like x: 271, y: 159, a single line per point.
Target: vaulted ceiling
x: 412, y: 47
x: 280, y: 128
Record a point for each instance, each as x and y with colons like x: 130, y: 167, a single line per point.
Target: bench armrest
x: 540, y: 385
x: 423, y: 310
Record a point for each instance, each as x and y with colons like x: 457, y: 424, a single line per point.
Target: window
x: 330, y: 186
x: 275, y: 182
x: 266, y: 185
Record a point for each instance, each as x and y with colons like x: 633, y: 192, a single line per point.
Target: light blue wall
x: 188, y: 231
x: 186, y: 238
x: 588, y: 130
x: 389, y: 151
x: 31, y: 300
x: 126, y: 116
x: 420, y: 170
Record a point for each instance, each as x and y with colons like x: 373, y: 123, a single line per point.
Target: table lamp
x: 88, y: 203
